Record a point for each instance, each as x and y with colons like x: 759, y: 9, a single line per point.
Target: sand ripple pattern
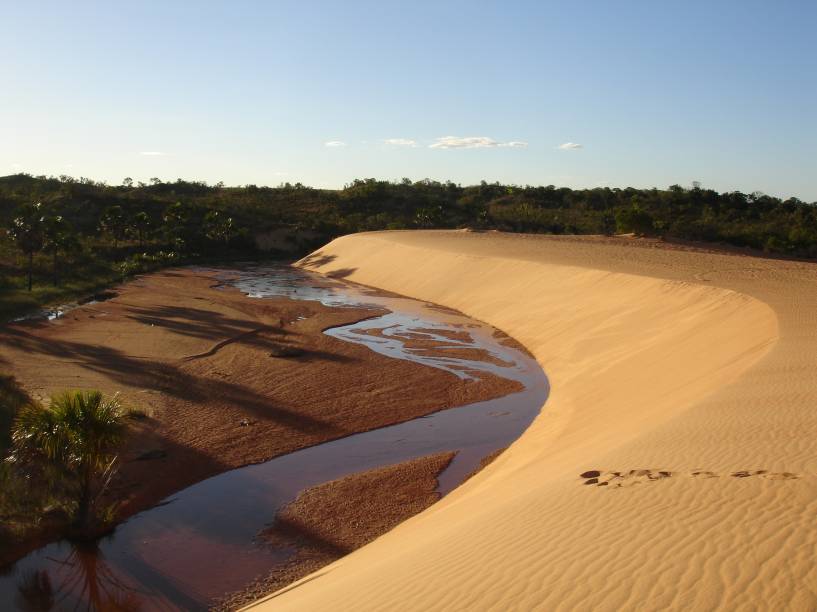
x: 662, y: 358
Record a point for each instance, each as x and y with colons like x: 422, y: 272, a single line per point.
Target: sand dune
x: 686, y: 379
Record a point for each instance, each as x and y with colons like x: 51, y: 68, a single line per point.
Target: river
x: 201, y: 542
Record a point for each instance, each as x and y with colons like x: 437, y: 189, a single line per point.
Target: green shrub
x: 144, y: 262
x: 634, y: 220
x: 72, y: 443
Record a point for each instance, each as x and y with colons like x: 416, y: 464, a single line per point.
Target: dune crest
x: 682, y: 390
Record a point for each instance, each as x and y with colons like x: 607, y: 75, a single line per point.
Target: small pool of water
x: 201, y: 543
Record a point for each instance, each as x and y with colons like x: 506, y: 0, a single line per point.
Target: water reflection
x: 82, y: 580
x: 412, y: 331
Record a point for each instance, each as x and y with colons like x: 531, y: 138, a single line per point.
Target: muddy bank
x: 219, y: 380
x: 331, y: 520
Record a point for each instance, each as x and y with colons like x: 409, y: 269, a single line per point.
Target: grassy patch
x: 78, y: 279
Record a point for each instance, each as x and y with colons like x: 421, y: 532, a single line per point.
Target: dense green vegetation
x: 61, y: 459
x: 66, y: 238
x: 69, y: 446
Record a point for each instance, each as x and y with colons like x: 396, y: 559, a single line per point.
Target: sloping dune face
x: 683, y: 388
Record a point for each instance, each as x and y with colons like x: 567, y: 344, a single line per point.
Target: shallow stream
x: 201, y: 543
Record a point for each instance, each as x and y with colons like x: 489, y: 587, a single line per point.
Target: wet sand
x: 333, y: 519
x: 221, y: 379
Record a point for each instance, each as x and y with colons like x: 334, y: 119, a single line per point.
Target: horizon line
x: 221, y: 185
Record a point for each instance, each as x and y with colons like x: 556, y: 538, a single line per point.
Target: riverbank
x: 328, y: 521
x: 217, y: 380
x: 685, y: 376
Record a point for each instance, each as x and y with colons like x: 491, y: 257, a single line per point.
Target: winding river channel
x: 201, y: 543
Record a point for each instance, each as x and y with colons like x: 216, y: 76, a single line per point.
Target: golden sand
x: 687, y: 380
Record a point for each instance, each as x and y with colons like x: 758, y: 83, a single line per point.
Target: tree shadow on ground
x: 169, y: 379
x: 317, y: 259
x: 196, y: 322
x: 287, y: 533
x: 341, y: 273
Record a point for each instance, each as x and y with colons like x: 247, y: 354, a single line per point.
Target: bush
x: 143, y: 262
x: 72, y: 444
x: 635, y: 220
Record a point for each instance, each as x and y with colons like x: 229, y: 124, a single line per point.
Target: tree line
x: 192, y: 219
x: 33, y: 229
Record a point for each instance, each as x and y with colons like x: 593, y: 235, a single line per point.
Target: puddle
x: 50, y: 314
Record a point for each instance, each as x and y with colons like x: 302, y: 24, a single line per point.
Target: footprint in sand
x: 633, y: 477
x: 765, y: 474
x: 780, y: 476
x: 623, y: 479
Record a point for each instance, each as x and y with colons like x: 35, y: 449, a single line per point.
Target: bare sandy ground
x: 224, y: 379
x: 674, y: 465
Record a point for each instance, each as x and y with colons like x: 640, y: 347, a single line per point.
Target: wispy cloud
x: 570, y: 146
x: 401, y: 142
x: 474, y: 142
x: 334, y: 143
x: 16, y: 166
x: 152, y: 153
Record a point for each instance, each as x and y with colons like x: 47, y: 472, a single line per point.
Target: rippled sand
x: 674, y: 464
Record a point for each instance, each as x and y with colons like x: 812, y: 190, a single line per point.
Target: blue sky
x: 655, y: 93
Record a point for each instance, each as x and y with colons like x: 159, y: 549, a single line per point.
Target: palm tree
x: 113, y: 221
x: 58, y: 237
x: 141, y: 224
x: 73, y: 439
x: 27, y: 232
x: 175, y: 218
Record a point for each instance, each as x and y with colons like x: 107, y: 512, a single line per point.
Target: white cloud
x: 469, y: 142
x: 152, y: 153
x: 16, y: 166
x: 570, y: 146
x: 334, y: 143
x: 474, y: 142
x: 401, y: 142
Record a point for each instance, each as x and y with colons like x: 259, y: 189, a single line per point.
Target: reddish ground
x: 224, y: 380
